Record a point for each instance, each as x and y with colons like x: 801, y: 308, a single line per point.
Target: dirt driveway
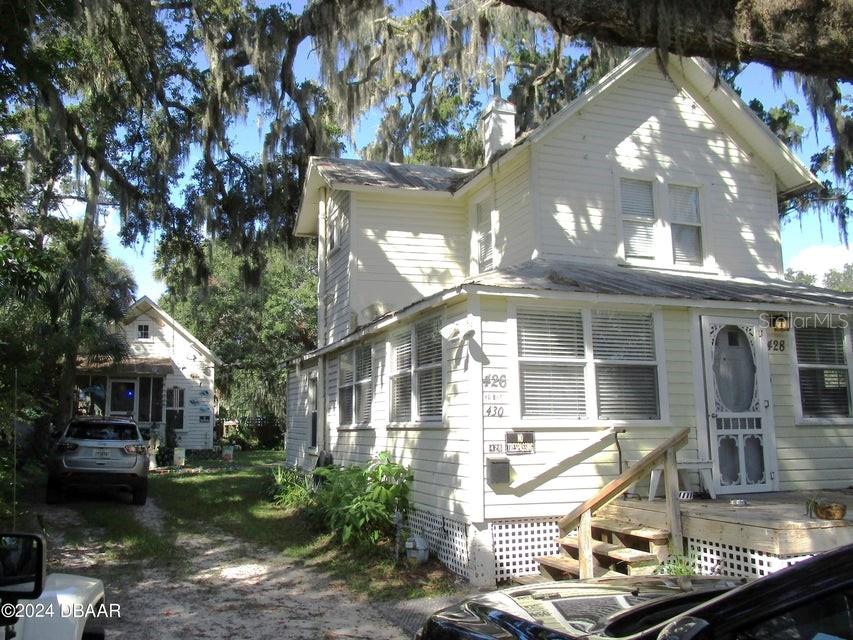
x: 224, y: 588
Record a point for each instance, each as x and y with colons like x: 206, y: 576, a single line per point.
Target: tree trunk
x: 78, y: 300
x: 806, y: 36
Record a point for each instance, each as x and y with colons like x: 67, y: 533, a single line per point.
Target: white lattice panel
x: 517, y: 542
x: 447, y: 539
x: 731, y: 560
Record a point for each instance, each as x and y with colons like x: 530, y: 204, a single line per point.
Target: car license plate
x: 102, y: 453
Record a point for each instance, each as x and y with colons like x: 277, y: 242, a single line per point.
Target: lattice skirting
x: 740, y: 562
x: 447, y: 539
x: 516, y: 542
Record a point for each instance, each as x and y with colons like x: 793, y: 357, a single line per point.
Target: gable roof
x: 146, y: 305
x: 792, y: 175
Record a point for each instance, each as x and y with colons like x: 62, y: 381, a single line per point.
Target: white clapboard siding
x: 647, y: 125
x: 406, y: 247
x: 337, y: 281
x: 298, y: 421
x: 438, y: 455
x: 192, y: 371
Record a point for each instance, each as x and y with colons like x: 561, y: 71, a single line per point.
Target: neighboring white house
x: 168, y: 379
x: 618, y: 266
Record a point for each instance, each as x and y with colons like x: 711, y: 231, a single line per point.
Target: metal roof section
x: 390, y: 175
x: 601, y: 279
x: 131, y: 366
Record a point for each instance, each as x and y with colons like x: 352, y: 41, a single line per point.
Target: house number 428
x: 776, y: 345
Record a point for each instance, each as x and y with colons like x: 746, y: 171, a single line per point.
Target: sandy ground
x: 230, y: 590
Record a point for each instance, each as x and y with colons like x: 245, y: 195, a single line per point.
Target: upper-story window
x: 485, y: 237
x: 823, y: 370
x: 142, y: 332
x: 644, y: 232
x: 417, y: 385
x: 355, y: 391
x: 686, y: 225
x: 580, y: 366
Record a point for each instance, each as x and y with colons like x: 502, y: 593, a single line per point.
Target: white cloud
x: 819, y: 259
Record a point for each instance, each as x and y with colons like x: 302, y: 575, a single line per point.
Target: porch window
x: 823, y: 372
x: 578, y: 364
x: 485, y: 237
x: 142, y: 332
x: 355, y: 391
x: 552, y: 360
x: 91, y: 394
x: 150, y: 399
x: 417, y: 385
x: 626, y: 376
x: 175, y: 407
x: 638, y: 218
x: 686, y: 226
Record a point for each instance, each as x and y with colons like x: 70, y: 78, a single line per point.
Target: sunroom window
x: 638, y: 218
x: 417, y: 387
x: 823, y: 372
x: 569, y: 360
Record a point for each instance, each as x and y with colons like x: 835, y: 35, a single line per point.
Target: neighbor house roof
x: 131, y: 366
x: 145, y: 305
x: 626, y: 283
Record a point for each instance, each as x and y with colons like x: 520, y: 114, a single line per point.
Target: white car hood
x: 62, y: 592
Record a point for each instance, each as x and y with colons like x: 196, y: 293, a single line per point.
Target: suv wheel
x: 140, y: 494
x: 53, y: 493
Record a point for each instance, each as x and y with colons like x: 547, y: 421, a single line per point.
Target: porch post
x: 673, y: 507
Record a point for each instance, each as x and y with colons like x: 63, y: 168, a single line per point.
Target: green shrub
x: 356, y: 504
x: 165, y: 456
x: 677, y: 565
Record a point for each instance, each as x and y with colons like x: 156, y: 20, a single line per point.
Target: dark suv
x: 99, y: 452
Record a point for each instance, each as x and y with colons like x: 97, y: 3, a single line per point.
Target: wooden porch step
x: 555, y: 565
x: 657, y: 536
x: 614, y: 551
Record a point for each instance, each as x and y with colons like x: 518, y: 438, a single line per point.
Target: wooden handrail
x: 620, y: 484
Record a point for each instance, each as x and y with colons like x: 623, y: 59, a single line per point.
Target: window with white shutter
x: 355, y: 390
x: 823, y: 372
x: 686, y: 225
x: 417, y: 380
x: 638, y: 218
x: 552, y: 360
x: 346, y: 375
x: 557, y: 348
x: 485, y: 237
x: 626, y: 374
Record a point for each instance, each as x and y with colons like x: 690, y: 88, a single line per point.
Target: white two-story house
x: 168, y: 378
x: 619, y: 266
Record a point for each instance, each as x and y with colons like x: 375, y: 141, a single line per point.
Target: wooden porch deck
x: 771, y: 522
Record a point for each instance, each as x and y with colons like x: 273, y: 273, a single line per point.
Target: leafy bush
x: 677, y: 565
x: 357, y: 504
x: 165, y: 455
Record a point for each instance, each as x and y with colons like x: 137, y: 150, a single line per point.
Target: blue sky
x: 810, y: 245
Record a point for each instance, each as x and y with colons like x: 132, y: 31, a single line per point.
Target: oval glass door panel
x: 734, y: 370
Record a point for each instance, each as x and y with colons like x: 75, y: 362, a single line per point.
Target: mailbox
x: 497, y: 471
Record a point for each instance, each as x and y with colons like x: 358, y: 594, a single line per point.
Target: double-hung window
x: 142, y: 332
x: 686, y: 225
x: 823, y: 372
x: 578, y: 365
x: 485, y: 237
x: 417, y: 388
x: 638, y: 217
x: 355, y: 390
x: 626, y: 373
x: 552, y: 361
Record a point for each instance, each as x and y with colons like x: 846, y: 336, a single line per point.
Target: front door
x: 122, y: 398
x: 740, y: 418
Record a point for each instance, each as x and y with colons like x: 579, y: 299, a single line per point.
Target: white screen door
x: 740, y: 419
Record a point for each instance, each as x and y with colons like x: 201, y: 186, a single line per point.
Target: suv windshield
x: 102, y: 431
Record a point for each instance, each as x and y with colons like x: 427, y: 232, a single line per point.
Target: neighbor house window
x: 175, y: 407
x: 355, y: 371
x: 638, y: 218
x: 685, y: 224
x: 142, y: 332
x: 823, y: 372
x: 417, y: 388
x: 569, y: 361
x: 485, y: 237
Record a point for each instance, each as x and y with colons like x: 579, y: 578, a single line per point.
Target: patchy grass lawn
x: 233, y: 497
